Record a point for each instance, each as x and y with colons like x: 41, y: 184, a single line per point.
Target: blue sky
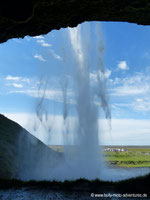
x: 27, y: 62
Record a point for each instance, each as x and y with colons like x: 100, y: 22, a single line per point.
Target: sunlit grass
x: 133, y: 157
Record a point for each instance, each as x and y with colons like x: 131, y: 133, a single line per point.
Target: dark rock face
x: 35, y: 17
x: 22, y: 155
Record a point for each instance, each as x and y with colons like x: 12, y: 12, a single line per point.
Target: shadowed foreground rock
x: 22, y: 155
x: 35, y: 17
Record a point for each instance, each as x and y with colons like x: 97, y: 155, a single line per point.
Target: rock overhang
x: 35, y: 17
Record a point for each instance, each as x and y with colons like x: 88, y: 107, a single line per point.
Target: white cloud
x: 39, y: 57
x: 13, y: 78
x: 46, y: 44
x: 17, y: 85
x: 17, y: 79
x: 36, y: 88
x: 51, y: 94
x: 141, y: 105
x: 138, y: 84
x: 128, y: 90
x: 43, y: 43
x: 123, y: 65
x: 138, y: 106
x: 131, y: 94
x: 39, y: 37
x: 56, y: 56
x: 48, y: 94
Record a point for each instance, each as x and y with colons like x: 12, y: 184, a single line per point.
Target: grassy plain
x: 133, y: 156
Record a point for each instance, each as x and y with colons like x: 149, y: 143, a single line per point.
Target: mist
x: 85, y: 161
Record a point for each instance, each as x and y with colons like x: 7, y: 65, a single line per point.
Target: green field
x: 132, y: 157
x: 135, y: 156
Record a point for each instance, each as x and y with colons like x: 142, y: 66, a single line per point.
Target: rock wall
x: 22, y: 155
x: 35, y: 17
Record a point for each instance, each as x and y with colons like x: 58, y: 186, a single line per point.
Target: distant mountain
x: 22, y: 155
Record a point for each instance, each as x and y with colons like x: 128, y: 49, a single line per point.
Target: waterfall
x: 85, y: 160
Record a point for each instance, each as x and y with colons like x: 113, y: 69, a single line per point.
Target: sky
x: 30, y: 65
